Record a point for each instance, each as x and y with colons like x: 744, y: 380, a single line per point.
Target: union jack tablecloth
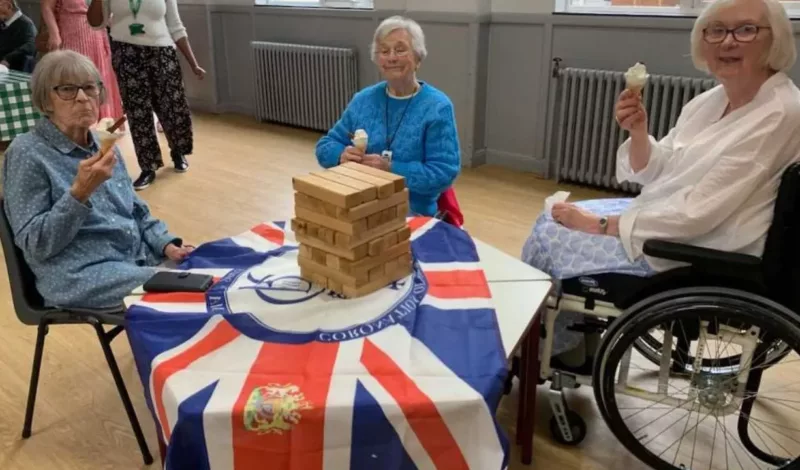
x: 268, y: 371
x: 17, y: 114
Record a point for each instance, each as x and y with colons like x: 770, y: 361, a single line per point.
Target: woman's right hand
x: 351, y: 154
x: 630, y: 113
x: 54, y: 42
x: 93, y: 172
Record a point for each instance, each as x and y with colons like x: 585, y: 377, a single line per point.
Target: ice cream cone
x: 360, y: 139
x: 107, y: 133
x: 636, y: 78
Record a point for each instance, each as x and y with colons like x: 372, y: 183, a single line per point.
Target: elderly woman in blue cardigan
x: 410, y: 125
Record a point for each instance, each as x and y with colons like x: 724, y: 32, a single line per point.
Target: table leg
x: 529, y: 396
x: 523, y: 386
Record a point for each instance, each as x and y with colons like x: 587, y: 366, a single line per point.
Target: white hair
x: 59, y: 68
x: 782, y: 52
x: 394, y: 23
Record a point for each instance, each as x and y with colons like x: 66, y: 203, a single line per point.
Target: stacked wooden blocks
x: 350, y: 222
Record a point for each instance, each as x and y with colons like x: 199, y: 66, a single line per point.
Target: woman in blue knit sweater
x: 410, y: 124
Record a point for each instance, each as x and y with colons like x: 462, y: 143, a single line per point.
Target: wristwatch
x: 603, y: 225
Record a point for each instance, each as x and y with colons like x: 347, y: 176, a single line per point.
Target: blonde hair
x: 394, y: 23
x: 59, y: 68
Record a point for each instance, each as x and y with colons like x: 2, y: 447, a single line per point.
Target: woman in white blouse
x: 144, y: 36
x: 712, y: 181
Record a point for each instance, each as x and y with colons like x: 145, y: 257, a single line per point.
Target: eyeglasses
x: 715, y: 34
x: 399, y: 52
x: 70, y: 92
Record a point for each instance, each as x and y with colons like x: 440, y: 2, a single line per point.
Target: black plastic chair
x: 30, y: 309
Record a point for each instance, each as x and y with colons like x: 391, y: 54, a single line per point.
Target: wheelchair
x: 682, y: 357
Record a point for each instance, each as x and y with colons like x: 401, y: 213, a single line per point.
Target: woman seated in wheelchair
x: 87, y: 237
x: 712, y: 181
x: 410, y: 125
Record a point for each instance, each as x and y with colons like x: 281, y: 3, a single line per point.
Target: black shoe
x: 145, y: 179
x: 181, y: 165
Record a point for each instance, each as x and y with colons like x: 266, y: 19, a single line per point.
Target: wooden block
x: 377, y: 273
x: 376, y: 247
x: 305, y: 251
x: 374, y: 220
x: 367, y: 191
x: 390, y: 240
x: 304, y: 200
x: 372, y: 286
x: 325, y: 234
x: 393, y: 213
x: 402, y: 210
x: 385, y: 187
x: 326, y: 190
x: 333, y: 261
x: 376, y: 232
x: 318, y: 279
x: 364, y: 210
x: 298, y: 226
x: 319, y: 256
x: 365, y: 264
x: 403, y: 234
x: 405, y: 260
x: 353, y: 254
x: 314, y: 204
x: 335, y: 286
x: 398, y: 181
x: 351, y: 228
x: 312, y: 230
x: 392, y: 265
x: 326, y: 273
x: 343, y: 240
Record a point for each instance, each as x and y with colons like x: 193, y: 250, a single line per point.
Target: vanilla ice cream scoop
x: 107, y: 132
x: 360, y: 139
x: 636, y: 77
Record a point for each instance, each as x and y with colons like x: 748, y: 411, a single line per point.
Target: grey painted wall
x: 495, y: 68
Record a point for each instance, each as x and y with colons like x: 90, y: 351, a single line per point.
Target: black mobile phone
x: 178, y: 281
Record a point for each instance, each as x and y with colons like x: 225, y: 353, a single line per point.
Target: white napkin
x: 3, y: 69
x: 558, y: 196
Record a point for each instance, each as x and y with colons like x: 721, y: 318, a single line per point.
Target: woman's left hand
x: 375, y: 161
x: 177, y: 253
x: 199, y: 71
x: 575, y: 218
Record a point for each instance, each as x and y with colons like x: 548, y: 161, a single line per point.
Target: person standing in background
x: 143, y: 39
x: 17, y: 36
x: 67, y: 28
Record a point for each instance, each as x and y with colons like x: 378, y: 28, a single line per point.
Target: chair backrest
x: 448, y: 205
x: 28, y: 303
x: 781, y: 258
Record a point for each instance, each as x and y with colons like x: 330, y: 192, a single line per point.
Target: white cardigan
x: 712, y: 182
x: 160, y: 18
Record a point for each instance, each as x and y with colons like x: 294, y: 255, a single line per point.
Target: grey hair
x: 782, y: 52
x: 59, y: 68
x: 394, y: 23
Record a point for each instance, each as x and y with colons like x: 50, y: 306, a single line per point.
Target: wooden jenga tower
x: 350, y: 222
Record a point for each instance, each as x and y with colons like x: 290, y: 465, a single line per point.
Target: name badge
x: 387, y: 155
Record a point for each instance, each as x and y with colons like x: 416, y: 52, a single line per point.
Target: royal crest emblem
x: 274, y: 409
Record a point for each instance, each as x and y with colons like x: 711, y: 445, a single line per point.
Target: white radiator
x: 303, y: 85
x: 586, y: 136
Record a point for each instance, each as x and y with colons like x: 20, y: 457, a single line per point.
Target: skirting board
x: 516, y: 161
x: 203, y: 105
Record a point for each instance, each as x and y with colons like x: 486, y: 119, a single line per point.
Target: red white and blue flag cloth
x: 266, y: 370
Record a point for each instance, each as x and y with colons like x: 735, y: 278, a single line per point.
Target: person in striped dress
x: 68, y: 29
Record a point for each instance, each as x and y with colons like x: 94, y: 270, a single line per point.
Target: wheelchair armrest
x: 700, y: 257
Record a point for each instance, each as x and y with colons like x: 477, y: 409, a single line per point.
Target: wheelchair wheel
x: 707, y: 418
x: 577, y: 427
x: 650, y: 346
